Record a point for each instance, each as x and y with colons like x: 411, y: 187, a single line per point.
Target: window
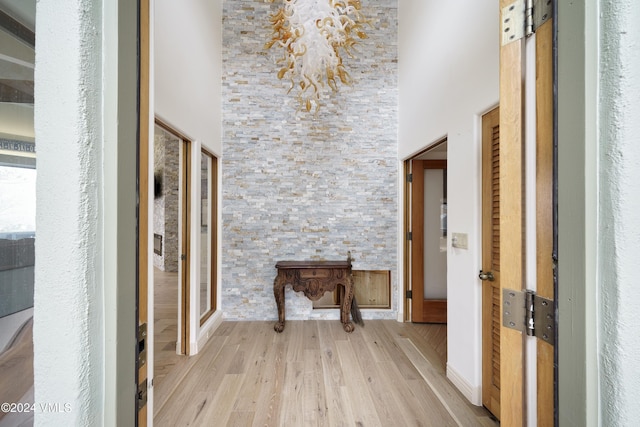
x: 17, y: 199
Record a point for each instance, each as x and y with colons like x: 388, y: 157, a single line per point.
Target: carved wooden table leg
x: 278, y: 292
x: 345, y: 311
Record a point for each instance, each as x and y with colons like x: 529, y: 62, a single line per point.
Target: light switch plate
x: 459, y: 240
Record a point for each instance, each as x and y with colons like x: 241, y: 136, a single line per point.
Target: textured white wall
x: 619, y: 205
x: 68, y: 320
x: 448, y: 77
x: 85, y: 122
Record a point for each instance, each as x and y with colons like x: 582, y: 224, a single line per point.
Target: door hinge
x: 409, y: 294
x: 523, y: 17
x: 142, y: 394
x: 409, y: 235
x: 409, y: 177
x: 527, y: 312
x: 142, y: 345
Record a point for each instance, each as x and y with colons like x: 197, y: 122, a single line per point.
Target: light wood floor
x: 385, y: 374
x: 165, y: 315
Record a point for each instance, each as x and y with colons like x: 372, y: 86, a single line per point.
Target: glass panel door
x: 208, y: 196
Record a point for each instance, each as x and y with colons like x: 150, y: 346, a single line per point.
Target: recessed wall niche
x: 371, y: 289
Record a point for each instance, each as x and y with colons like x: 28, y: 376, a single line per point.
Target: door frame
x: 407, y: 291
x: 144, y: 365
x: 516, y: 359
x: 422, y: 309
x: 212, y: 216
x: 184, y: 309
x: 184, y: 234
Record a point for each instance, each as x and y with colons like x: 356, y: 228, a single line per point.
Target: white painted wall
x: 188, y: 68
x: 448, y: 77
x: 187, y: 76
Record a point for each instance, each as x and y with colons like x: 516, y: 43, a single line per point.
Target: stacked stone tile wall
x: 166, y: 204
x: 298, y: 185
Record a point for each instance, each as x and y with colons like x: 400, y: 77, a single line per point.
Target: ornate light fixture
x: 312, y: 33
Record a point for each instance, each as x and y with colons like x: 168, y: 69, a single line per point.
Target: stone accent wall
x: 165, y: 206
x: 299, y: 185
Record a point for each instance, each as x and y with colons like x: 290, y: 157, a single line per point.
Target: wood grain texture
x: 185, y: 248
x: 315, y: 374
x: 143, y: 186
x: 512, y: 230
x: 491, y: 261
x: 417, y: 239
x: 544, y: 210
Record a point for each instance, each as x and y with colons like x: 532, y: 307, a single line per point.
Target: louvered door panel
x: 491, y: 262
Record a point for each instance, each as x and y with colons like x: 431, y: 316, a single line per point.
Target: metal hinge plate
x: 542, y: 12
x: 409, y: 294
x: 142, y: 345
x: 409, y: 235
x: 527, y: 312
x: 513, y: 17
x: 523, y: 17
x: 142, y: 394
x: 409, y: 177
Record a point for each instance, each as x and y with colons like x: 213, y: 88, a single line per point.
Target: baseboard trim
x: 473, y: 394
x: 206, y: 331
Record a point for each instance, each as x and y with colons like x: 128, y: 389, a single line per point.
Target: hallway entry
x: 427, y: 234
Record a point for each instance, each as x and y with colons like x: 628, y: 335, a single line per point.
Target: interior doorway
x: 171, y: 225
x: 427, y: 234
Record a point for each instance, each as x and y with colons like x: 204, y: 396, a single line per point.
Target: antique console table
x: 314, y: 278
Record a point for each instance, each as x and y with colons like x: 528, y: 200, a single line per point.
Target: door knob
x: 486, y: 276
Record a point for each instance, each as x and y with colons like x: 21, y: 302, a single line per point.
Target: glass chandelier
x: 312, y: 33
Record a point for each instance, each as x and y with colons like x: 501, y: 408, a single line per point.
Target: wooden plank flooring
x: 165, y: 291
x: 315, y: 374
x: 16, y: 376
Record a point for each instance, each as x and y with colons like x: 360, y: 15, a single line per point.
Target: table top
x: 312, y: 264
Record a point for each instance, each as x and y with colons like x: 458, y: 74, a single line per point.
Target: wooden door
x: 423, y: 310
x: 490, y: 273
x: 145, y: 328
x: 512, y: 216
x: 185, y: 247
x: 545, y: 286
